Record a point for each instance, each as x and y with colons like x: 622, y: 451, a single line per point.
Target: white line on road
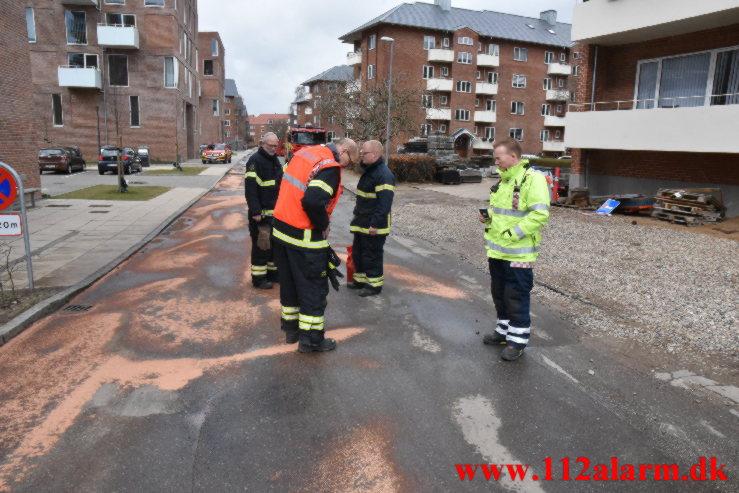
x: 554, y: 365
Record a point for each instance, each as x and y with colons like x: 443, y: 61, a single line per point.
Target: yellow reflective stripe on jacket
x: 380, y: 188
x: 366, y: 195
x: 250, y: 174
x: 358, y: 229
x: 304, y: 243
x: 323, y: 185
x: 267, y: 212
x: 253, y: 174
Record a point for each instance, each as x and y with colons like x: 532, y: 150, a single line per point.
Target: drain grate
x: 76, y: 308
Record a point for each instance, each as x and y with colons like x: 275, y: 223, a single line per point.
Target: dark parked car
x: 143, y: 153
x: 108, y: 160
x: 65, y: 159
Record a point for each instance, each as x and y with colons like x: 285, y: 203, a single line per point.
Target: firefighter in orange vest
x: 310, y: 189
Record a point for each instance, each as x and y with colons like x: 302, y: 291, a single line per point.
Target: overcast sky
x: 272, y: 46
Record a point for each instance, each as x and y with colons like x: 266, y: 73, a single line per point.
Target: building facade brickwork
x: 212, y: 98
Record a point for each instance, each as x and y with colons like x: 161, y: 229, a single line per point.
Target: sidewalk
x: 75, y: 242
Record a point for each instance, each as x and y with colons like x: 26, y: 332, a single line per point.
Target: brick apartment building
x: 267, y: 122
x: 665, y: 105
x: 485, y: 74
x: 18, y: 135
x: 212, y: 123
x: 307, y: 104
x: 235, y: 117
x: 131, y: 65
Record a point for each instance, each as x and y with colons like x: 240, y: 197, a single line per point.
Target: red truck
x: 298, y: 137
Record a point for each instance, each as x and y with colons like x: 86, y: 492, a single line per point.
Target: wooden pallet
x: 669, y: 206
x: 681, y: 218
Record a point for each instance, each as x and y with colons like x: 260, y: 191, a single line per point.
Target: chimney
x: 445, y: 5
x: 549, y: 16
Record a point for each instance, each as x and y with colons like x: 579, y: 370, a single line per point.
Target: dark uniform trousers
x: 367, y: 253
x: 511, y: 289
x: 262, y: 261
x: 303, y: 288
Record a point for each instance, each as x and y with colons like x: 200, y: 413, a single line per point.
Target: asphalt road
x: 174, y: 377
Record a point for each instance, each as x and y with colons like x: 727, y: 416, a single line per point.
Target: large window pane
x: 31, y: 25
x: 76, y: 27
x: 170, y: 74
x: 118, y: 70
x: 135, y: 117
x: 726, y: 78
x: 56, y: 109
x: 76, y: 60
x: 684, y: 80
x: 647, y: 86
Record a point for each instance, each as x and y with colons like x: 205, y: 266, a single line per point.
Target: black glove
x: 333, y: 269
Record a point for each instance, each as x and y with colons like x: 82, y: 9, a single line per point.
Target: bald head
x: 372, y: 150
x: 270, y: 142
x: 348, y: 152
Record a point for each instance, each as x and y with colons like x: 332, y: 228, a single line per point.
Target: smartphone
x: 485, y: 213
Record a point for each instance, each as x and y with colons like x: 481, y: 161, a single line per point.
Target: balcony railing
x: 554, y: 121
x: 89, y: 3
x: 354, y: 58
x: 79, y: 77
x: 557, y: 95
x: 118, y: 36
x: 444, y: 85
x: 553, y: 146
x: 486, y: 88
x: 440, y: 55
x: 485, y: 116
x: 438, y: 114
x: 482, y: 144
x: 559, y: 69
x: 488, y: 60
x: 675, y: 102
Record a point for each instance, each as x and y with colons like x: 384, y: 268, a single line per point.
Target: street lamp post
x: 389, y: 96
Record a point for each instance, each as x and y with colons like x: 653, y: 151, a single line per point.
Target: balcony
x: 482, y: 144
x: 559, y: 69
x: 488, y: 60
x: 438, y: 114
x: 309, y: 111
x: 486, y: 88
x: 353, y: 58
x: 557, y: 95
x: 485, y: 116
x: 553, y: 146
x: 439, y: 85
x: 79, y: 77
x: 439, y: 55
x: 554, y: 121
x: 308, y: 96
x: 117, y: 36
x: 605, y: 22
x: 712, y: 129
x: 87, y: 3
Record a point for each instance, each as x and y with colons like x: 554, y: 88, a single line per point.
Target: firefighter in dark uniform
x: 310, y: 190
x: 371, y: 223
x: 261, y: 186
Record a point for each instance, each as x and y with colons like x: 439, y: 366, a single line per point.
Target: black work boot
x: 314, y: 340
x: 355, y: 285
x: 263, y: 284
x: 494, y: 339
x: 511, y: 353
x: 291, y: 336
x: 369, y: 291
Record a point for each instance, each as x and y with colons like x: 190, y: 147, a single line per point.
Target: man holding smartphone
x: 519, y: 209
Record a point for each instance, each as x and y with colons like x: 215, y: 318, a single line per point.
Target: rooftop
x: 230, y: 88
x: 337, y: 73
x: 264, y: 118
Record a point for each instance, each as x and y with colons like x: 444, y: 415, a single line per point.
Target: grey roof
x: 483, y: 22
x: 339, y: 72
x: 230, y: 89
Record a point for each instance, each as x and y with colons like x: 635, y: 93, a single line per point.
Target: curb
x: 43, y: 308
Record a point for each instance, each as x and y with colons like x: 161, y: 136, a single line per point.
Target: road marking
x: 554, y: 365
x: 712, y: 429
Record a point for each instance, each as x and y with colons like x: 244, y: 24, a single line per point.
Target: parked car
x: 214, y: 153
x: 143, y: 153
x: 64, y: 158
x: 108, y: 160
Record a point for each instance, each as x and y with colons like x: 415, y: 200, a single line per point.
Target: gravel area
x: 672, y: 288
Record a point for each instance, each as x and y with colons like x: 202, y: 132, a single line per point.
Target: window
x: 517, y: 108
x: 575, y: 70
x: 214, y: 107
x: 82, y: 60
x: 442, y: 128
x: 76, y: 28
x: 207, y: 67
x: 478, y: 75
x: 116, y: 2
x: 226, y: 111
x: 445, y: 42
x: 464, y: 40
x: 370, y: 71
x: 135, y: 116
x: 573, y: 96
x: 546, y: 109
x: 494, y: 49
x: 462, y: 115
x: 227, y: 123
x: 544, y: 136
x: 560, y: 108
x: 477, y: 102
x: 548, y: 56
x: 726, y: 78
x: 429, y: 42
x: 464, y: 86
x: 445, y: 71
x: 270, y: 121
x: 428, y: 72
x: 479, y: 47
x: 425, y: 129
x: 170, y: 72
x: 475, y: 130
x: 56, y: 110
x: 490, y: 105
x: 156, y: 3
x: 427, y: 100
x: 547, y: 83
x: 372, y: 42
x: 576, y: 55
x: 557, y: 134
x: 563, y: 57
x: 516, y: 133
x: 490, y: 133
x: 493, y: 77
x: 519, y: 81
x: 213, y: 47
x: 443, y: 100
x: 520, y: 54
x: 116, y: 19
x: 31, y: 25
x: 560, y: 82
x: 118, y: 70
x: 464, y: 57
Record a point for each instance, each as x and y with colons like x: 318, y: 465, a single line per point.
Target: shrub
x: 412, y: 167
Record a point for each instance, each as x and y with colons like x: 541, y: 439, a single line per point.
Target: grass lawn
x: 186, y: 170
x: 110, y: 192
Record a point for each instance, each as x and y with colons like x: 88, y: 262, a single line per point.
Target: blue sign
x: 607, y: 207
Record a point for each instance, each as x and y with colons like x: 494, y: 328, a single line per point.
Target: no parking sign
x: 8, y: 188
x: 11, y: 186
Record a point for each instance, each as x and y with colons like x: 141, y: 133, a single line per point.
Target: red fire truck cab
x: 298, y: 137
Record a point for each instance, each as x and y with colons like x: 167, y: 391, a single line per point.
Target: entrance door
x: 462, y: 145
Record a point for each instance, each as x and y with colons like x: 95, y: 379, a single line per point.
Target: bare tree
x: 279, y: 127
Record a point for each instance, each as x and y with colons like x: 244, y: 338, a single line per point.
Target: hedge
x: 412, y: 167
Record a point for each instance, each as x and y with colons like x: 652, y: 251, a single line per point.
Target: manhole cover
x: 76, y: 308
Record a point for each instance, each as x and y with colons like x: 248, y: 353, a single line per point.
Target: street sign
x: 11, y: 225
x: 8, y: 189
x: 607, y: 207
